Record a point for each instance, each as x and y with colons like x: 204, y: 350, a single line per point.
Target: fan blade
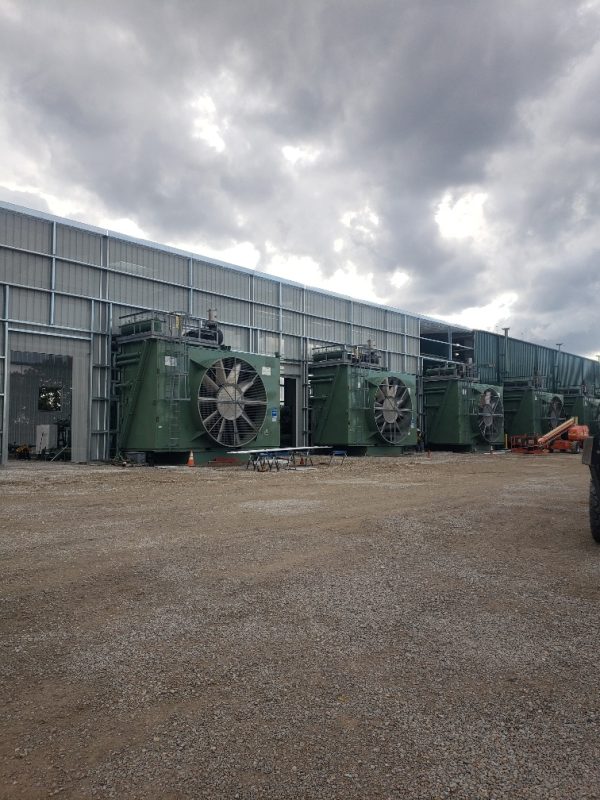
x: 220, y: 372
x: 234, y: 374
x: 243, y: 387
x: 208, y: 383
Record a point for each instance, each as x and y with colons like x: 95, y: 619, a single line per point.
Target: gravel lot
x: 389, y: 628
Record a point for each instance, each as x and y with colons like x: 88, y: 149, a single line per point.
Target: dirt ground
x: 387, y: 628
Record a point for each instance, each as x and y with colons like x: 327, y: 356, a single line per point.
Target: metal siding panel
x: 292, y: 323
x: 119, y: 311
x: 25, y: 269
x: 369, y: 316
x: 412, y: 325
x: 202, y: 302
x: 266, y: 317
x: 361, y: 335
x: 72, y: 312
x: 169, y: 298
x: 233, y: 311
x: 28, y: 233
x: 236, y: 338
x: 268, y: 344
x: 396, y: 322
x: 340, y: 332
x: 126, y: 289
x: 29, y: 305
x: 78, y: 245
x: 291, y: 297
x: 413, y: 346
x: 266, y: 291
x: 395, y: 342
x: 292, y: 347
x: 321, y: 329
x: 77, y: 279
x: 147, y: 262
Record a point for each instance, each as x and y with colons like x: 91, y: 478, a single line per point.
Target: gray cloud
x: 404, y: 103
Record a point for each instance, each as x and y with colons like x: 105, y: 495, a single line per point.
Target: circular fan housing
x: 490, y: 415
x: 232, y: 402
x: 393, y: 410
x: 555, y: 413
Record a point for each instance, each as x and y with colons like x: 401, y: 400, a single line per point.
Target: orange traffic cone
x: 190, y: 461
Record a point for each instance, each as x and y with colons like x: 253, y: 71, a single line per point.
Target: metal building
x: 64, y: 287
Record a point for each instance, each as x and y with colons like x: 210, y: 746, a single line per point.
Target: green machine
x: 460, y: 412
x: 359, y: 406
x: 583, y: 406
x: 180, y: 389
x: 530, y: 409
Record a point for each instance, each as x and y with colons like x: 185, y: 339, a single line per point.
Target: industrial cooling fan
x: 393, y: 410
x: 232, y: 402
x: 490, y: 415
x: 555, y: 412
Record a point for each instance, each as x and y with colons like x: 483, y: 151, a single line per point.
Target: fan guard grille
x: 232, y: 402
x: 393, y: 410
x: 555, y: 413
x: 490, y: 415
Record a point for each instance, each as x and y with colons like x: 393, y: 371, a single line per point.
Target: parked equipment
x: 462, y: 413
x: 181, y: 390
x: 357, y: 405
x: 530, y: 410
x: 566, y: 437
x: 591, y: 457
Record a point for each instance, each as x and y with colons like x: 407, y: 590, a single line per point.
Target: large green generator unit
x: 460, y: 412
x: 531, y: 410
x: 584, y: 407
x: 180, y: 390
x: 359, y: 406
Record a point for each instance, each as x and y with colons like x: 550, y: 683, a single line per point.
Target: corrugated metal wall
x: 68, y: 284
x: 525, y: 360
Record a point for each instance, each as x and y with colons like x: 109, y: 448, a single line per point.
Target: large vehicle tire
x: 594, y: 512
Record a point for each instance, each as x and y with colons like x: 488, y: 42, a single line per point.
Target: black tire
x: 594, y: 512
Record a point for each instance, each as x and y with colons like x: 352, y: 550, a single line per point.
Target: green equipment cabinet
x: 357, y: 405
x: 531, y: 410
x: 460, y: 412
x: 179, y: 389
x: 581, y: 405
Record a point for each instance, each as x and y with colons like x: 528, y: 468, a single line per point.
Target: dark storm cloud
x: 403, y: 102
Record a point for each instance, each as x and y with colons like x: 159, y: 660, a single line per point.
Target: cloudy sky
x: 442, y: 156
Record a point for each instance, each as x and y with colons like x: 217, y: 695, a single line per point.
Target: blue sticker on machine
x: 274, y: 414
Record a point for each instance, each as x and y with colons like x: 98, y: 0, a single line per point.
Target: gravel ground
x: 387, y: 628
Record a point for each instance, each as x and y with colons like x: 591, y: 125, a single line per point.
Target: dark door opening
x: 288, y: 409
x: 39, y: 422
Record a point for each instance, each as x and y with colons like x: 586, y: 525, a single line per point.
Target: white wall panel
x: 292, y: 323
x: 236, y: 338
x: 396, y: 323
x: 266, y: 291
x: 147, y: 261
x: 78, y: 245
x: 292, y: 347
x: 169, y: 298
x: 223, y: 280
x: 266, y: 317
x: 77, y: 279
x: 26, y: 269
x: 72, y: 312
x: 291, y: 297
x: 29, y: 306
x: 232, y: 311
x: 28, y: 233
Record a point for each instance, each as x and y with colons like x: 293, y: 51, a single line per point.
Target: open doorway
x: 288, y: 393
x: 39, y: 422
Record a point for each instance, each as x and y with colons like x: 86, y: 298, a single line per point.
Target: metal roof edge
x: 84, y: 226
